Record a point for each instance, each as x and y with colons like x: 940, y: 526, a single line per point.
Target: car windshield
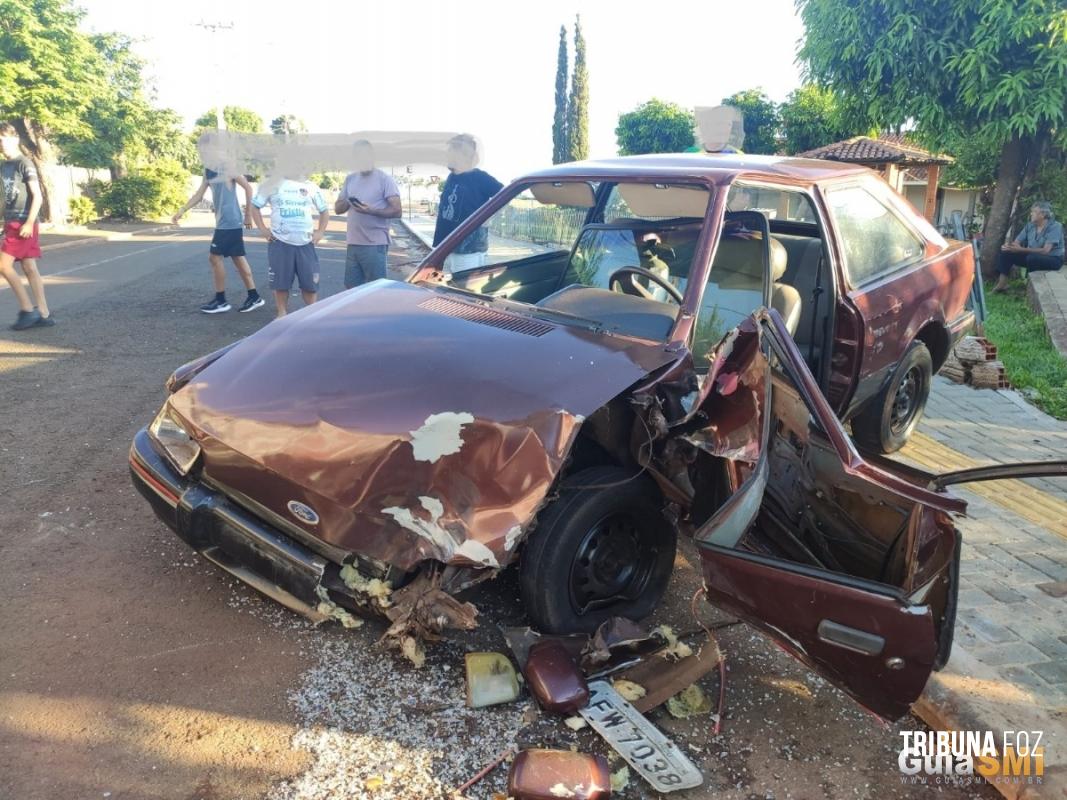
x: 560, y: 247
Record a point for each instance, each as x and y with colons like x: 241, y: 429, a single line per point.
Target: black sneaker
x: 46, y: 322
x: 251, y: 304
x: 26, y: 319
x: 215, y: 307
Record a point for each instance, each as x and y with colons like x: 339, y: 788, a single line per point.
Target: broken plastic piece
x: 620, y: 779
x: 575, y: 723
x: 552, y: 774
x: 420, y: 611
x: 689, y: 702
x: 616, y: 641
x: 554, y: 678
x: 491, y: 679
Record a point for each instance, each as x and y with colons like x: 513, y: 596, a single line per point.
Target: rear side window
x: 874, y: 241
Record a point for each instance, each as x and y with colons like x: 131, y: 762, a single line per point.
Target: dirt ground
x: 131, y: 669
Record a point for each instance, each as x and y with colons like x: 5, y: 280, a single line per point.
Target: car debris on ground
x: 564, y: 675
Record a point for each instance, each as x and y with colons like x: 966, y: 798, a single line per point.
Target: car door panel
x: 828, y: 563
x: 805, y: 613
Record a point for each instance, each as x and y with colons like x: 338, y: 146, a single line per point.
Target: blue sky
x: 483, y: 67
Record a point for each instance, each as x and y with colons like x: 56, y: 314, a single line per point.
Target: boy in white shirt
x: 291, y: 239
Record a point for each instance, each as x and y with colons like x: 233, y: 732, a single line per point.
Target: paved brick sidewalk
x: 1008, y: 668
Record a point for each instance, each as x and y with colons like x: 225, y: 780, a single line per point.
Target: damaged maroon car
x: 625, y: 364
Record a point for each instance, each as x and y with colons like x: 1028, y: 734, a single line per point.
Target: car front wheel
x: 602, y: 548
x: 890, y: 418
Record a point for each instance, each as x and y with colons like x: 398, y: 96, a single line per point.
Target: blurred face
x: 363, y: 158
x: 9, y: 143
x: 1037, y: 216
x: 460, y: 158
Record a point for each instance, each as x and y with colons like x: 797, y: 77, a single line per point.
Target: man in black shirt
x: 22, y: 202
x: 465, y: 191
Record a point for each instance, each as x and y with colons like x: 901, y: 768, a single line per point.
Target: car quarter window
x: 785, y: 205
x: 874, y: 241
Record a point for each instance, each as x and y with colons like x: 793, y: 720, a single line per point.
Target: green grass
x: 1033, y: 365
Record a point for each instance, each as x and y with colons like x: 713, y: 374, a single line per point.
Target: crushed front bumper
x: 229, y: 536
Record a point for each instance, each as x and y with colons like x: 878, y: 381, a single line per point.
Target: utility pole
x: 215, y: 27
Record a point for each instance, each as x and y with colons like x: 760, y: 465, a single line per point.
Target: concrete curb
x: 421, y: 237
x: 1047, y: 295
x: 967, y: 696
x: 112, y: 236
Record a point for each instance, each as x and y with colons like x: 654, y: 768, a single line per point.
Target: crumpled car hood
x: 414, y: 423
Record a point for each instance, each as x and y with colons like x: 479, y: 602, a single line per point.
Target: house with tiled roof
x: 913, y: 171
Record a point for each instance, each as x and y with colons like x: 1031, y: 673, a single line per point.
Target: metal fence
x: 540, y: 225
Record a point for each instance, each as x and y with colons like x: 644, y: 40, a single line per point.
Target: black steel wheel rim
x: 613, y: 563
x: 906, y: 400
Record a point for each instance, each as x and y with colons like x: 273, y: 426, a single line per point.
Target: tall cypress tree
x: 578, y: 108
x: 559, y: 121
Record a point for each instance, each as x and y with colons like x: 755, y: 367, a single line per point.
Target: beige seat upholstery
x: 739, y: 265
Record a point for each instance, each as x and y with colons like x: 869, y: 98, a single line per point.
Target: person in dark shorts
x: 1039, y: 246
x: 370, y: 198
x: 291, y: 249
x: 22, y: 202
x: 228, y: 241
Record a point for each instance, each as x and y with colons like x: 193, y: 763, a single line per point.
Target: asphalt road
x: 131, y: 669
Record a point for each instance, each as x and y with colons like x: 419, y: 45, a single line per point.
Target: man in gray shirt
x: 1039, y: 246
x: 370, y: 198
x: 228, y: 241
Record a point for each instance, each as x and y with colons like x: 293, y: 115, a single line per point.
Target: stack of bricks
x: 974, y: 361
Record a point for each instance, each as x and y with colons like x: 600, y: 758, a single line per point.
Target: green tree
x: 578, y: 105
x: 287, y: 125
x: 559, y: 120
x: 812, y: 117
x: 49, y: 74
x: 237, y: 119
x: 654, y: 127
x: 761, y: 120
x: 124, y: 130
x: 954, y: 67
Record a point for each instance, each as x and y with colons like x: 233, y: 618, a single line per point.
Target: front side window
x: 873, y: 239
x: 527, y: 226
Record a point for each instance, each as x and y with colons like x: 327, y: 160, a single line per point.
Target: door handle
x: 869, y: 644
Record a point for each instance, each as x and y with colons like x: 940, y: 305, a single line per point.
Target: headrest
x: 779, y: 259
x: 739, y: 263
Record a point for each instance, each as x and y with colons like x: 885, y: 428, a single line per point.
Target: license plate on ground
x: 645, y: 748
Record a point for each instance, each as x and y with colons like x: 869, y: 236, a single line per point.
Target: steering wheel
x: 640, y: 290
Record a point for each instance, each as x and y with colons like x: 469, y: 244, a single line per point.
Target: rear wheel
x: 890, y: 418
x: 603, y: 548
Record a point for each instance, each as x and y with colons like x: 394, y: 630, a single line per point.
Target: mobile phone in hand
x: 355, y: 201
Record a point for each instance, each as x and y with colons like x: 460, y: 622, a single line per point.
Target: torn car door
x: 851, y: 568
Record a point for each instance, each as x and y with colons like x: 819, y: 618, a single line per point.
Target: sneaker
x: 215, y: 307
x: 45, y: 322
x: 251, y: 304
x: 26, y: 319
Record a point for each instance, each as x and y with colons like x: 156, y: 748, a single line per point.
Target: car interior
x: 620, y: 254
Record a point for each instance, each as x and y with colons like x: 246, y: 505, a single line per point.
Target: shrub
x: 82, y: 210
x: 150, y: 192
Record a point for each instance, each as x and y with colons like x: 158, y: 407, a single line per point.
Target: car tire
x: 602, y: 548
x: 888, y: 420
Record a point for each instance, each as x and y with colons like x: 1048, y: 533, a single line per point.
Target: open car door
x: 850, y: 567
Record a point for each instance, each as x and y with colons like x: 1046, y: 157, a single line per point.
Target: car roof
x: 716, y: 167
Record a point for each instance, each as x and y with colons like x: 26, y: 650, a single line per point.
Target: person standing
x: 228, y: 240
x: 291, y: 240
x: 1039, y: 246
x: 466, y: 189
x: 370, y: 198
x: 22, y: 203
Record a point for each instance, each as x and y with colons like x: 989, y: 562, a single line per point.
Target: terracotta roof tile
x: 887, y: 149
